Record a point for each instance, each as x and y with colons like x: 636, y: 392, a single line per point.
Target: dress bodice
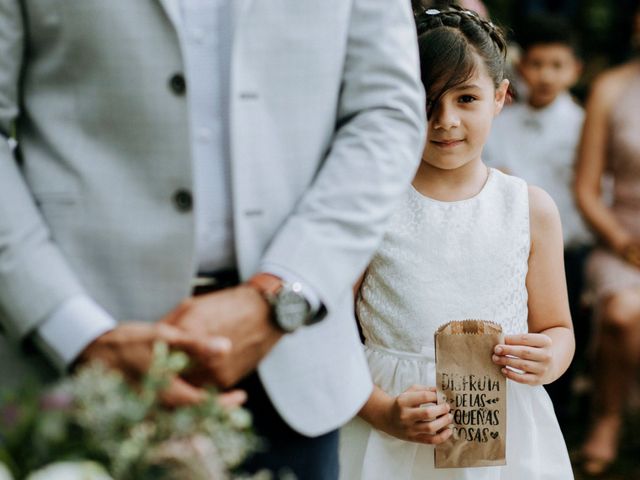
x: 442, y: 261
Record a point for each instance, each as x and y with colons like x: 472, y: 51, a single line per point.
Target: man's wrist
x: 290, y: 308
x: 266, y: 284
x: 289, y: 276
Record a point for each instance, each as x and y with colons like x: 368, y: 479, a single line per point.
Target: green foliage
x: 96, y: 415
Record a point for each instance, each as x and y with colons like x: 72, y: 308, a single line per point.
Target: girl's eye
x: 467, y: 99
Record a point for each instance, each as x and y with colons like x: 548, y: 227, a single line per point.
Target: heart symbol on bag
x: 494, y: 435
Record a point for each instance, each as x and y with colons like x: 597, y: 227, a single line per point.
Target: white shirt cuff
x: 71, y: 328
x: 309, y: 293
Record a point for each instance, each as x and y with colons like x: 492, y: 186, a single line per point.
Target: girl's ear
x: 501, y: 95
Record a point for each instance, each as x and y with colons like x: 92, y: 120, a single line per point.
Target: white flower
x: 240, y: 418
x: 5, y: 474
x: 70, y: 471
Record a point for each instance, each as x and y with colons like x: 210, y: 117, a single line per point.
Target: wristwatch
x: 290, y: 309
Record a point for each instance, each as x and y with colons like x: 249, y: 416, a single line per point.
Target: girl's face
x: 459, y: 125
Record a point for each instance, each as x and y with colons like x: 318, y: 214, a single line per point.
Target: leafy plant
x: 96, y: 416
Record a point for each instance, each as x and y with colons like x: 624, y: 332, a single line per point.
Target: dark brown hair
x: 450, y: 40
x: 547, y: 30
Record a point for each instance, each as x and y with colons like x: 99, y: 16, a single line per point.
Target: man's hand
x: 240, y: 314
x: 129, y: 349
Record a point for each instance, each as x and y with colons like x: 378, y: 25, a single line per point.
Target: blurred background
x: 606, y: 37
x: 603, y: 28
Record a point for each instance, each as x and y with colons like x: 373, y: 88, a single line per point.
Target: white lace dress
x: 443, y: 261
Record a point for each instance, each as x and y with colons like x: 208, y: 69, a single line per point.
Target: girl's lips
x: 446, y: 143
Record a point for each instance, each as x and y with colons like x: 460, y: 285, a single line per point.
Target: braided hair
x: 450, y: 41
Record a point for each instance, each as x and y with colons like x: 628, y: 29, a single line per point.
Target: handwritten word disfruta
x: 469, y: 383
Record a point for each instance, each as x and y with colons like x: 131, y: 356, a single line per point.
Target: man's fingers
x: 210, y: 351
x: 173, y: 317
x: 218, y: 346
x: 205, y: 348
x: 232, y: 399
x: 180, y: 393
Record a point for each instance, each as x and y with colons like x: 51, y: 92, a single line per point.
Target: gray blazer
x: 327, y: 124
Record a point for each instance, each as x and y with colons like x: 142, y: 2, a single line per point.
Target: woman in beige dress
x: 611, y: 144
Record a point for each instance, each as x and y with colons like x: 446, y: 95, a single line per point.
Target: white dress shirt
x: 206, y: 37
x: 540, y: 145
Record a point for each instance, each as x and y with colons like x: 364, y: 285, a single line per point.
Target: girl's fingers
x: 535, y: 354
x: 413, y: 399
x: 524, y: 365
x: 436, y: 439
x: 420, y: 388
x: 434, y: 426
x: 428, y: 413
x: 525, y: 378
x: 528, y: 339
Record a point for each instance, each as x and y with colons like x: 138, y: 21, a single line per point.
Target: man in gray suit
x: 172, y: 144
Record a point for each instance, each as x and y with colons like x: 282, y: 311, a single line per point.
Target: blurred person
x: 537, y: 140
x: 166, y: 145
x: 610, y: 143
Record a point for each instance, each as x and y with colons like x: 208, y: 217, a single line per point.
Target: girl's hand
x: 531, y: 353
x: 414, y: 416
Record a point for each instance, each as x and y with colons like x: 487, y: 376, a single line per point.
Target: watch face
x: 292, y: 309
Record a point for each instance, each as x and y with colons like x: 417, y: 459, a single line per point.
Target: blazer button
x: 178, y: 84
x: 183, y: 200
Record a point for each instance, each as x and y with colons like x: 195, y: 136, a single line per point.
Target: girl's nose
x: 445, y: 118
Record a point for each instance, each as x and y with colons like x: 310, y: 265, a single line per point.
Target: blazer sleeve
x: 34, y: 277
x: 330, y: 237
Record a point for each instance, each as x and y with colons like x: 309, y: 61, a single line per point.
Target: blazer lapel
x: 172, y: 9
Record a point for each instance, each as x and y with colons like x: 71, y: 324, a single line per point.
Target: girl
x: 467, y: 242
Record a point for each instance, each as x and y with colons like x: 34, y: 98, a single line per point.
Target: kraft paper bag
x: 474, y: 387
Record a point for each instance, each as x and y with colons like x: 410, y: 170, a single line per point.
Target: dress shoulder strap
x: 511, y: 196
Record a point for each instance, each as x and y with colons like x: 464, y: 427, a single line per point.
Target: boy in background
x: 537, y: 140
